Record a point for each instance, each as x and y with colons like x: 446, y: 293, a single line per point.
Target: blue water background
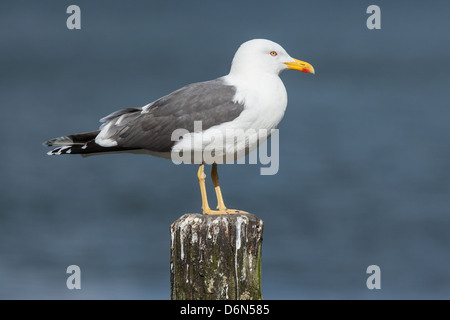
x: 364, y: 147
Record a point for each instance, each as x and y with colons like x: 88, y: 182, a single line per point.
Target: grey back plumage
x: 151, y: 128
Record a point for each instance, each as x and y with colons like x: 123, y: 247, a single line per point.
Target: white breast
x: 265, y: 101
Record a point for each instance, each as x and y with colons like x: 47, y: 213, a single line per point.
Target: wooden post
x: 216, y: 257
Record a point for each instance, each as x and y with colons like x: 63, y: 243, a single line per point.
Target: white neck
x: 263, y: 94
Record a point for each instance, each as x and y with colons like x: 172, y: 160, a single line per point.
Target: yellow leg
x: 201, y: 179
x: 222, y: 209
x: 215, y: 179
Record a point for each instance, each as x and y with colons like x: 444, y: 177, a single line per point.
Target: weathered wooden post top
x: 217, y: 255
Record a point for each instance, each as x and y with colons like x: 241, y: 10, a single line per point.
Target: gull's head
x: 265, y: 56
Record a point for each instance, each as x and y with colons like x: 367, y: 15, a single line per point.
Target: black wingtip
x: 60, y: 150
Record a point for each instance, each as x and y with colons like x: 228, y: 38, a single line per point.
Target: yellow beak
x: 301, y: 66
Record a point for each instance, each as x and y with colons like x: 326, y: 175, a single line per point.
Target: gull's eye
x: 273, y: 53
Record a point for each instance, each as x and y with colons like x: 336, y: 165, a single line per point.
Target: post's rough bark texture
x: 216, y: 257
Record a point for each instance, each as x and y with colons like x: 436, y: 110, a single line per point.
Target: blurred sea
x: 364, y: 147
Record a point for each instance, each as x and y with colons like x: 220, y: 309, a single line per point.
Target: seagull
x: 249, y: 100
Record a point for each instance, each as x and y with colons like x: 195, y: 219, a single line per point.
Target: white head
x: 260, y: 55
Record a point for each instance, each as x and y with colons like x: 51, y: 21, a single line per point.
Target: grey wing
x: 151, y: 127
